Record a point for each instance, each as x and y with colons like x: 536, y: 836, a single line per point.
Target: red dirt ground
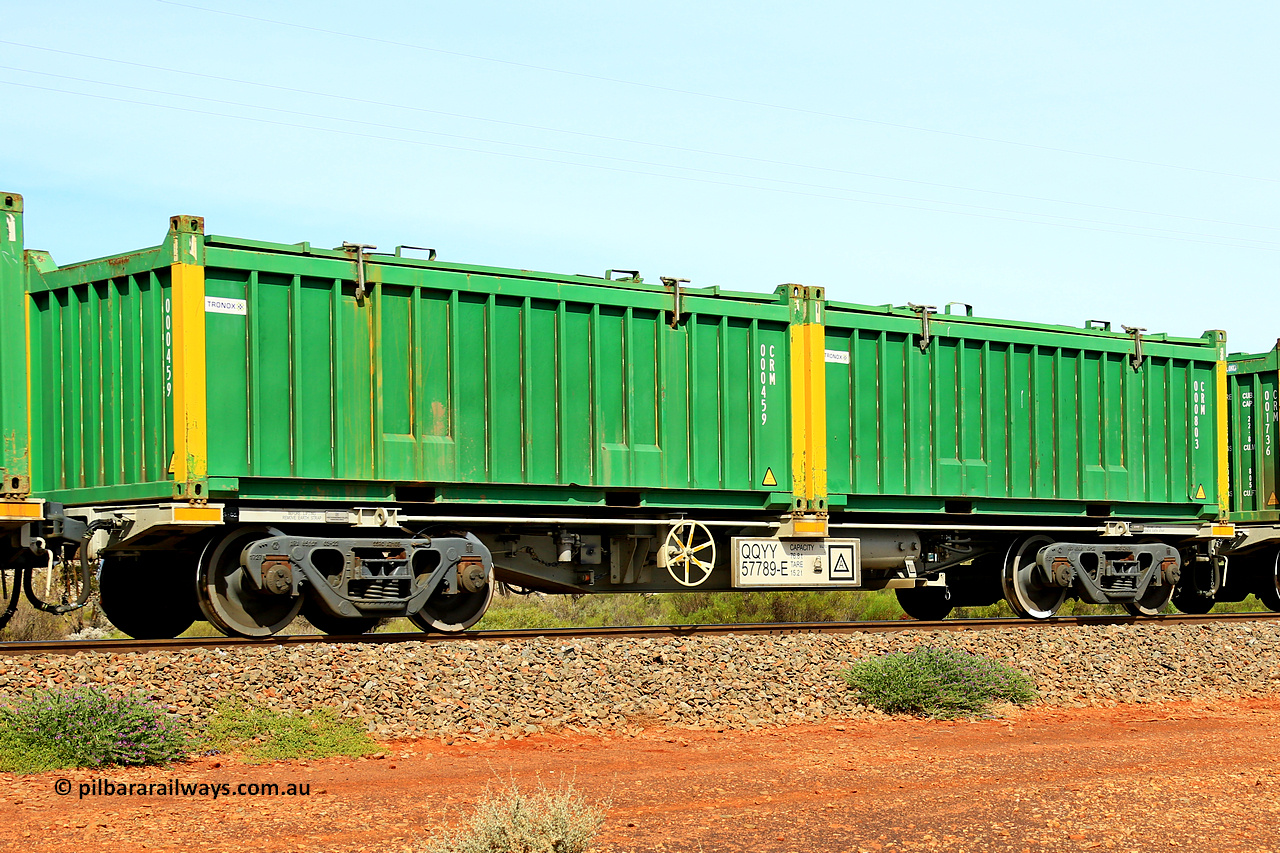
x: 1148, y: 778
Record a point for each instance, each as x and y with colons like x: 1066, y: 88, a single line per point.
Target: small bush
x: 87, y: 728
x: 940, y: 683
x: 511, y: 821
x: 261, y: 734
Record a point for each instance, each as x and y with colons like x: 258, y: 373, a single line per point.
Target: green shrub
x: 85, y: 727
x: 261, y: 734
x: 511, y: 821
x: 940, y: 683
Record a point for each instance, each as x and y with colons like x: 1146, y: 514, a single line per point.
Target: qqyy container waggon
x: 242, y: 431
x: 249, y: 430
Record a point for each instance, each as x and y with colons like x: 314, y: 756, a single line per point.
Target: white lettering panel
x: 220, y: 305
x: 796, y: 563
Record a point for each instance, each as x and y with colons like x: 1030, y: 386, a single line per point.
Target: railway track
x: 126, y: 646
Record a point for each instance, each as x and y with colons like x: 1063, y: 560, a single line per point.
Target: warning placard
x: 769, y: 479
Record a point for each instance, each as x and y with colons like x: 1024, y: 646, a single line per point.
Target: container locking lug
x: 14, y: 485
x: 1116, y: 528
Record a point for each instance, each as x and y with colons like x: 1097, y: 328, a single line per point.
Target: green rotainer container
x: 1254, y: 391
x: 216, y: 368
x: 954, y: 413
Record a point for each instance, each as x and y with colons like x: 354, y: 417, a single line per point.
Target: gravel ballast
x: 483, y: 690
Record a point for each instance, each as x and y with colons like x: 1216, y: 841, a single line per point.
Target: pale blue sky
x: 1054, y: 162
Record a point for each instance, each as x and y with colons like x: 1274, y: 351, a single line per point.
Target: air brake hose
x: 86, y: 575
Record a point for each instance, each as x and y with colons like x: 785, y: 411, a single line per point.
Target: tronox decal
x: 768, y: 376
x: 224, y: 305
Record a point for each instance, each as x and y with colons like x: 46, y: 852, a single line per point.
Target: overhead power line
x: 1216, y: 240
x: 624, y: 140
x: 629, y: 161
x: 718, y: 97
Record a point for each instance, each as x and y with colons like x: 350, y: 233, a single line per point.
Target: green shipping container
x: 949, y: 412
x: 1254, y: 394
x: 217, y: 368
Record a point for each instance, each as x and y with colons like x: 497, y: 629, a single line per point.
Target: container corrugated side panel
x: 451, y: 377
x: 1254, y: 394
x: 101, y: 417
x: 1015, y: 419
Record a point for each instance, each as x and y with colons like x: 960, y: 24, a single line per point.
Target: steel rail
x: 129, y: 646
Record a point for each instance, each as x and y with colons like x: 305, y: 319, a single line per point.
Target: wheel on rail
x: 336, y: 626
x: 685, y: 542
x: 150, y: 595
x: 452, y: 614
x: 979, y: 584
x: 926, y: 603
x: 1154, y: 600
x: 11, y: 568
x: 229, y: 600
x: 1188, y: 600
x: 1268, y: 584
x: 1024, y: 587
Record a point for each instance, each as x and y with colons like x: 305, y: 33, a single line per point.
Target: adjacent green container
x: 1254, y: 392
x: 990, y: 416
x: 216, y: 368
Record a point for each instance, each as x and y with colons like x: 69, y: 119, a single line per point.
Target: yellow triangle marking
x: 1199, y: 493
x: 1271, y: 501
x: 769, y: 479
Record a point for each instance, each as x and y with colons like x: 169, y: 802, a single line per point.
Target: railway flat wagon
x: 241, y: 431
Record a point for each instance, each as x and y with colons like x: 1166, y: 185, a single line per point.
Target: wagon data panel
x: 759, y: 563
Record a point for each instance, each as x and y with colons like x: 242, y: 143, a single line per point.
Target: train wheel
x: 684, y: 543
x: 926, y: 603
x: 451, y: 614
x: 336, y: 625
x: 229, y: 599
x: 1152, y: 602
x: 1024, y: 588
x: 1189, y: 601
x: 151, y: 596
x: 1269, y: 584
x: 11, y: 569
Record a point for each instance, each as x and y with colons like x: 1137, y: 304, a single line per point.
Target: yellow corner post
x: 808, y: 402
x: 1220, y: 406
x: 186, y: 314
